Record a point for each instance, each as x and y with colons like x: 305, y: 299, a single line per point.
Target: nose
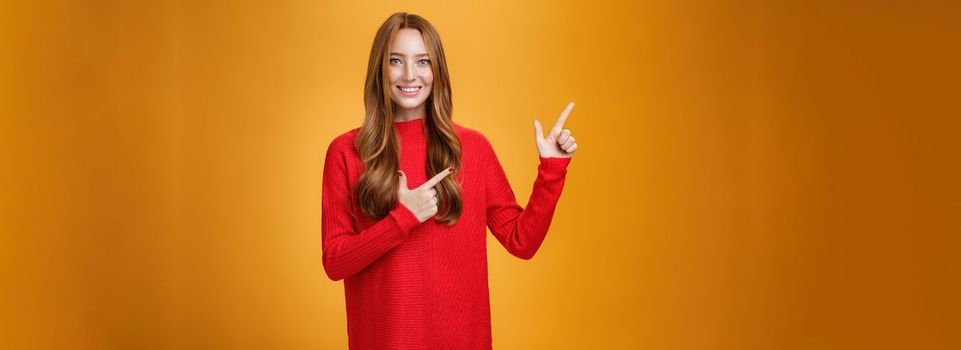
x: 409, y: 72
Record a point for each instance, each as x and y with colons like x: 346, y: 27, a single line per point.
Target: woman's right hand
x: 422, y: 201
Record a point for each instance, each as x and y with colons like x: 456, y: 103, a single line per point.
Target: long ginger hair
x: 377, y: 143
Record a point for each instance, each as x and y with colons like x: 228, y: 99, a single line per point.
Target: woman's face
x: 410, y: 72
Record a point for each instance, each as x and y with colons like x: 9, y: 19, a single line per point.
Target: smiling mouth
x: 410, y: 91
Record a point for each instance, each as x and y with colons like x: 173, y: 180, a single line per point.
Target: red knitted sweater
x: 411, y: 285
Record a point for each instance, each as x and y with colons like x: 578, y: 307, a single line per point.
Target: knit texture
x: 411, y: 285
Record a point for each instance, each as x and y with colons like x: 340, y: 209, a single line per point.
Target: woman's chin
x: 410, y: 104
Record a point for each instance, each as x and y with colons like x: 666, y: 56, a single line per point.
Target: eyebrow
x: 402, y: 55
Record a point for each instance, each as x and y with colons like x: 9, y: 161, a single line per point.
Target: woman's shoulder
x: 343, y: 144
x: 345, y: 139
x: 470, y: 135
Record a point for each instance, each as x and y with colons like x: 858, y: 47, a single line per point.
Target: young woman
x: 407, y: 198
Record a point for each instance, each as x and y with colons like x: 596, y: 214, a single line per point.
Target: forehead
x: 409, y: 41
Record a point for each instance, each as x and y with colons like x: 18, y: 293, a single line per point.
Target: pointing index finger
x: 563, y: 118
x: 437, y: 178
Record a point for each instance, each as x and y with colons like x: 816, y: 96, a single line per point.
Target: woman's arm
x: 522, y: 230
x: 346, y: 252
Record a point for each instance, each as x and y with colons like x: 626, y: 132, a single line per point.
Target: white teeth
x: 414, y: 89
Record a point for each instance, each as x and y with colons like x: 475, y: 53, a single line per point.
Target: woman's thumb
x: 403, y: 180
x: 538, y: 131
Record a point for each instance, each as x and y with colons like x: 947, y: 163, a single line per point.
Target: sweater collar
x: 416, y: 124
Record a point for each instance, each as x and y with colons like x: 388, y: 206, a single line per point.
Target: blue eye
x: 425, y: 61
x: 394, y: 59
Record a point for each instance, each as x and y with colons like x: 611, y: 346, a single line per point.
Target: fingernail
x: 398, y: 173
x: 451, y: 169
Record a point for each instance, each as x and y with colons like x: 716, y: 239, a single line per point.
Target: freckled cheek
x: 427, y: 78
x: 395, y: 75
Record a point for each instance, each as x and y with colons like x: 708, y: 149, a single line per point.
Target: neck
x: 408, y: 114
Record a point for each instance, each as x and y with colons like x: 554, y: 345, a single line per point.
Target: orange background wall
x: 751, y: 174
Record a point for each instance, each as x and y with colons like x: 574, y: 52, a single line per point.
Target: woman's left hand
x: 559, y: 143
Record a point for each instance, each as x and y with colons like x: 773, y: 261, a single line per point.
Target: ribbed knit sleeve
x: 345, y: 251
x: 522, y: 230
